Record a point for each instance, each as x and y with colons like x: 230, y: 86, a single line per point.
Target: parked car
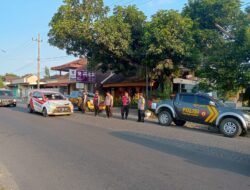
x: 76, y: 99
x: 49, y: 103
x: 7, y: 98
x: 203, y: 109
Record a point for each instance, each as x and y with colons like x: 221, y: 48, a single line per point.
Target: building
x: 7, y: 79
x: 62, y: 82
x: 184, y: 85
x: 21, y: 86
x: 117, y: 84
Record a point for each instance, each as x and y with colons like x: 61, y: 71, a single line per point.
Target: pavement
x: 96, y: 153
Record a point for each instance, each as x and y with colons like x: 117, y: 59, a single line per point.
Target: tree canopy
x: 211, y: 37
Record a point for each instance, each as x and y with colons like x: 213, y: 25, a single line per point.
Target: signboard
x: 72, y: 74
x: 85, y: 76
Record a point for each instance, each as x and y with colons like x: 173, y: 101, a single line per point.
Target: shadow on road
x: 23, y: 109
x: 205, y: 156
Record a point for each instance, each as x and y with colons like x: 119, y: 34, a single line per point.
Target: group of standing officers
x: 109, y: 103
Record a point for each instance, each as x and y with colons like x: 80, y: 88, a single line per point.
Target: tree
x: 1, y: 83
x: 11, y: 75
x: 111, y: 42
x: 72, y: 27
x: 218, y: 32
x: 47, y: 72
x: 169, y: 43
x: 120, y: 39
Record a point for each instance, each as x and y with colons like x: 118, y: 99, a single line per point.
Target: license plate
x: 6, y: 102
x: 63, y: 109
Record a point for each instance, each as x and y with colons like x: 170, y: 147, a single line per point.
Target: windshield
x: 6, y: 93
x: 54, y: 96
x: 75, y: 94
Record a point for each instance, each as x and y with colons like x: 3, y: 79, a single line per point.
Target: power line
x: 52, y: 58
x: 23, y: 67
x: 144, y: 3
x: 22, y: 47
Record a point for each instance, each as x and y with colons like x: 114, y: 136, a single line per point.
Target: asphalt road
x: 83, y: 152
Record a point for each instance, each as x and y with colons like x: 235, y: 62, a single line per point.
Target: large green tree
x: 111, y: 42
x: 72, y: 27
x: 219, y: 34
x: 120, y: 39
x: 169, y: 43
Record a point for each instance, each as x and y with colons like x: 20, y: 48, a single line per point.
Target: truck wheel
x: 165, y: 118
x: 180, y: 122
x: 230, y: 127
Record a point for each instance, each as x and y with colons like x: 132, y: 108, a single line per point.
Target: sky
x: 22, y: 20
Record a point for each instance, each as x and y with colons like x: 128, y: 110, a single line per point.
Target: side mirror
x: 211, y: 103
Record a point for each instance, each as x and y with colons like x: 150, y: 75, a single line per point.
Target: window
x: 37, y: 95
x: 201, y: 100
x: 75, y: 94
x: 54, y: 96
x: 6, y: 93
x: 187, y: 98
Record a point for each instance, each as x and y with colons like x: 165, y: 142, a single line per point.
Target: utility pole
x: 38, y: 40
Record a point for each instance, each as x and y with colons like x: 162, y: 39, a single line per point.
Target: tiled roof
x: 10, y: 78
x: 77, y: 64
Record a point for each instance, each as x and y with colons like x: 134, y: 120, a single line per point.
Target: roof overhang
x: 77, y: 64
x: 56, y: 84
x: 184, y: 81
x: 128, y: 84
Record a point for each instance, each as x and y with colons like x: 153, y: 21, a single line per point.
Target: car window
x: 54, y: 96
x: 39, y: 95
x: 187, y: 98
x: 35, y: 95
x: 5, y: 93
x: 74, y: 94
x: 201, y: 100
x: 91, y: 95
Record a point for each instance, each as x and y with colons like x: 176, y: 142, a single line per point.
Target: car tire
x: 230, y: 127
x: 79, y: 108
x: 45, y: 112
x: 30, y: 110
x: 165, y: 118
x: 179, y: 122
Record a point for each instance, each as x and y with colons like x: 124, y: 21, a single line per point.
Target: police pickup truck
x: 202, y: 109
